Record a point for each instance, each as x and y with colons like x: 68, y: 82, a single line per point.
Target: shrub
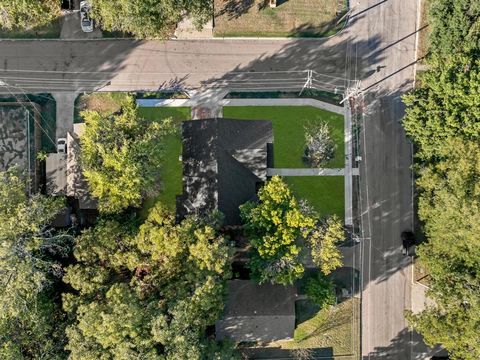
x: 319, y: 289
x: 319, y: 146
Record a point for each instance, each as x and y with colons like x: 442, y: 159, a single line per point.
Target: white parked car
x: 62, y: 145
x: 86, y: 22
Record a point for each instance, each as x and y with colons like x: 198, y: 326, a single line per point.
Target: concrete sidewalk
x: 240, y: 102
x: 305, y: 172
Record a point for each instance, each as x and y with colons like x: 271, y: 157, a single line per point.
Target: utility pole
x: 309, y: 82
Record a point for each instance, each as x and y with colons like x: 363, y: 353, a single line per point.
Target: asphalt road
x: 377, y: 47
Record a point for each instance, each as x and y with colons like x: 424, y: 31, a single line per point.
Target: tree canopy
x: 147, y: 294
x: 446, y: 105
x: 455, y: 27
x: 30, y: 318
x: 28, y: 14
x: 278, y: 228
x: 443, y: 120
x: 122, y: 155
x: 149, y: 18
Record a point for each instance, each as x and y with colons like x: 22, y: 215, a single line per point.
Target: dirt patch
x: 424, y: 31
x: 290, y: 17
x: 106, y: 103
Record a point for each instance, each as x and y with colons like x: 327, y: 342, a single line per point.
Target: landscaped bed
x: 289, y: 132
x: 324, y: 193
x: 171, y: 174
x: 300, y: 18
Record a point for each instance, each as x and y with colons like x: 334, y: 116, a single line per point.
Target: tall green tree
x: 31, y: 321
x: 324, y: 243
x: 455, y: 27
x: 28, y: 14
x: 122, y: 155
x: 443, y: 120
x: 446, y: 105
x: 147, y: 294
x: 449, y: 205
x: 150, y: 18
x: 279, y: 228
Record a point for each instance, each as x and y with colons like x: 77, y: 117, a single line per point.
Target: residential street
x: 378, y: 47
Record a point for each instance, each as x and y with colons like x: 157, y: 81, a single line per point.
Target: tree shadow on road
x: 406, y: 345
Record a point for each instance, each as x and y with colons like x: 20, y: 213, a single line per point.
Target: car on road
x: 86, y: 22
x: 408, y: 240
x: 62, y: 145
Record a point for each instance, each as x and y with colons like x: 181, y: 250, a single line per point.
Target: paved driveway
x: 71, y: 29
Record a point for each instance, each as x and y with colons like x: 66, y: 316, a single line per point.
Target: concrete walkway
x: 212, y: 97
x: 285, y: 102
x: 347, y: 118
x: 65, y: 102
x: 305, y: 172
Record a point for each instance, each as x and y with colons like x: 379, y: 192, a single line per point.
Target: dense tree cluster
x: 149, y: 18
x: 121, y: 156
x: 147, y: 294
x: 279, y: 228
x: 455, y: 27
x: 443, y: 120
x: 31, y: 321
x: 28, y: 14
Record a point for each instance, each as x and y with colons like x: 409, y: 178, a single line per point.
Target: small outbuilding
x: 261, y: 313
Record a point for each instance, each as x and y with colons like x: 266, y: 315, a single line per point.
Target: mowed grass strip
x: 325, y: 193
x: 171, y: 172
x: 335, y: 327
x: 315, y: 18
x: 289, y: 131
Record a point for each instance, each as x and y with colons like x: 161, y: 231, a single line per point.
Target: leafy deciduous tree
x: 150, y: 18
x: 31, y: 322
x: 28, y: 14
x: 277, y: 225
x: 324, y: 245
x: 122, y: 155
x: 150, y: 294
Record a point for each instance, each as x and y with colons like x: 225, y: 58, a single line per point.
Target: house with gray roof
x: 224, y: 163
x: 257, y: 313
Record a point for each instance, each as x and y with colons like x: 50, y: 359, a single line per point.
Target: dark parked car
x: 408, y: 240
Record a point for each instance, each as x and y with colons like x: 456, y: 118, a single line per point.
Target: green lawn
x: 325, y: 193
x: 171, y: 175
x: 293, y: 18
x: 288, y: 130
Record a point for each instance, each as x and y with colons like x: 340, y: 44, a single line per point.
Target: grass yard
x: 171, y: 175
x: 337, y: 327
x: 325, y: 193
x: 288, y: 131
x: 294, y: 18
